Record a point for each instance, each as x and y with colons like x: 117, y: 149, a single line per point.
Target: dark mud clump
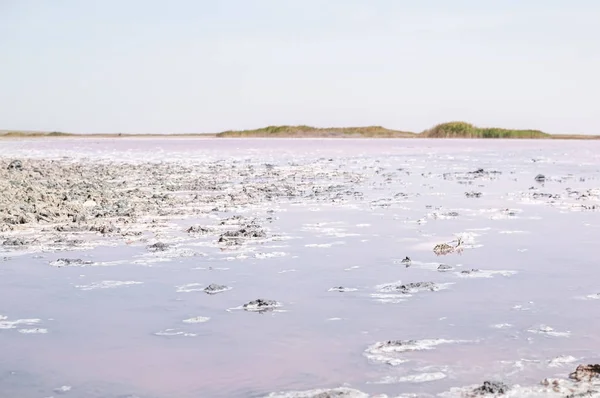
x: 70, y: 228
x: 470, y: 271
x: 261, y: 305
x: 417, y: 286
x: 15, y: 165
x: 199, y: 230
x: 540, y: 178
x: 158, y: 247
x: 70, y: 262
x: 342, y: 289
x: 491, y: 387
x: 242, y: 234
x: 473, y: 194
x: 586, y: 373
x: 233, y: 220
x: 105, y: 229
x: 412, y: 287
x: 399, y: 343
x: 68, y: 242
x: 482, y: 173
x: 15, y: 242
x: 407, y: 261
x: 213, y: 288
x: 444, y: 267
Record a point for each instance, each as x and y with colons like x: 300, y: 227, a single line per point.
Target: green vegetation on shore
x: 308, y: 131
x: 467, y: 130
x: 444, y: 130
x: 14, y: 133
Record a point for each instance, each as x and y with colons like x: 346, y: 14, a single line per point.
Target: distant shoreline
x: 451, y: 130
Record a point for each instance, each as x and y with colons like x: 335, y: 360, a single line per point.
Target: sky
x: 193, y: 66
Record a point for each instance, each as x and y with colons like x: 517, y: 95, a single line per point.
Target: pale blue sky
x: 183, y: 66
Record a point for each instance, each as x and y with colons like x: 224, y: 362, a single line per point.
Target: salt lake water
x: 142, y: 326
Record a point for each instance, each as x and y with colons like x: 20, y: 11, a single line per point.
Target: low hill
x: 327, y: 132
x: 25, y: 134
x: 467, y: 130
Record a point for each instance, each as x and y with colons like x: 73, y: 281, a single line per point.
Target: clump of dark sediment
x: 105, y: 229
x: 261, y: 305
x: 473, y: 194
x: 470, y: 271
x: 15, y: 165
x: 491, y: 387
x: 408, y: 288
x: 239, y: 236
x: 158, y: 247
x: 70, y: 262
x: 214, y: 288
x: 470, y: 176
x: 199, y: 230
x: 16, y: 242
x: 342, y: 289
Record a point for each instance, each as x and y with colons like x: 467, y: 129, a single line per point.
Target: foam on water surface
x: 107, y: 285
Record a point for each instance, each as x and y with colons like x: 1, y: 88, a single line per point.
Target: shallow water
x: 110, y: 339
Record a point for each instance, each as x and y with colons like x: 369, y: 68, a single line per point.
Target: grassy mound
x: 26, y: 134
x: 467, y: 130
x: 308, y: 131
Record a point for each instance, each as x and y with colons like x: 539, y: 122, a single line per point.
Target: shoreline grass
x: 467, y: 130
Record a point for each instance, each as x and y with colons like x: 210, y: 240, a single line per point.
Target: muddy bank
x: 50, y: 198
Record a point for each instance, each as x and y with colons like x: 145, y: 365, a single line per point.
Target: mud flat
x: 308, y: 268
